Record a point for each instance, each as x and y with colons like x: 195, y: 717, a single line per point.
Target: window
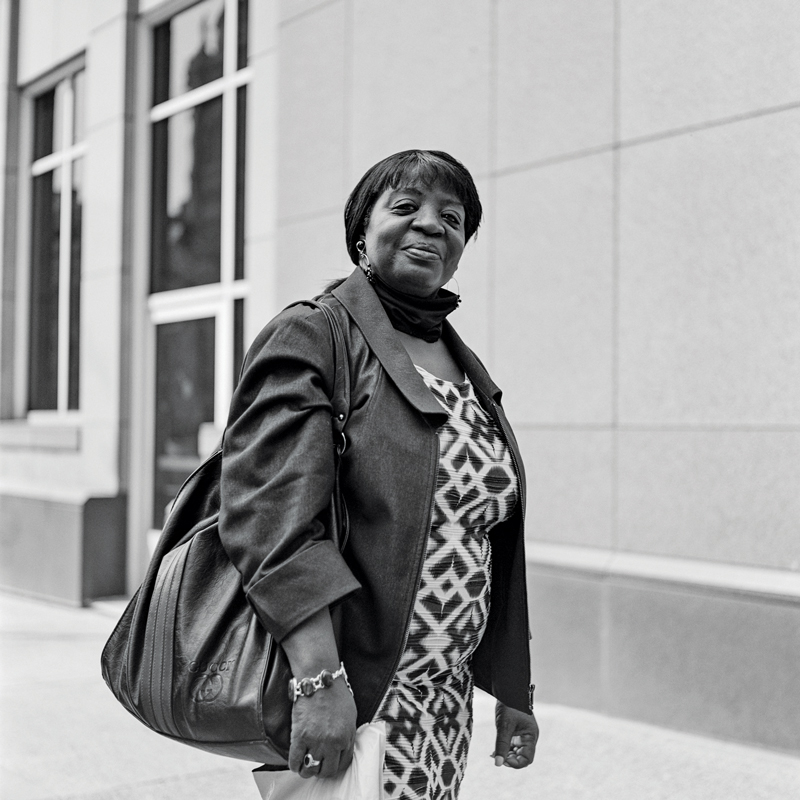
x: 197, y: 276
x: 55, y: 256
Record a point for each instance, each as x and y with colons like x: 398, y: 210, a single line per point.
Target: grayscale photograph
x: 400, y: 400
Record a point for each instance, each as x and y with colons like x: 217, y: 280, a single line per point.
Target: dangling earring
x: 363, y: 260
x: 458, y: 290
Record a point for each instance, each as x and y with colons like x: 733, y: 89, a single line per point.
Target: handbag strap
x: 340, y: 411
x: 340, y: 399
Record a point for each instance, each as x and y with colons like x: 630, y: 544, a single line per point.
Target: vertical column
x: 9, y: 155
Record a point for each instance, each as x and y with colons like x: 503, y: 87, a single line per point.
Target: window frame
x: 63, y: 158
x: 213, y: 299
x: 216, y: 300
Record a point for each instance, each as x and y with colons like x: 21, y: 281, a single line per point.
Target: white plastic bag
x: 363, y: 779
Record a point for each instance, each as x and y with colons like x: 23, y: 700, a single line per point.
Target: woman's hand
x: 517, y: 734
x: 323, y: 725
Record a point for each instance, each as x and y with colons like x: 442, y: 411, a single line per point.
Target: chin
x: 420, y: 284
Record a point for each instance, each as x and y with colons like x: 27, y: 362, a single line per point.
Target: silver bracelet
x: 308, y: 686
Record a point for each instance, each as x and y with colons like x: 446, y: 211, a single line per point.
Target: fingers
x: 325, y: 762
x: 330, y: 766
x: 320, y: 754
x: 346, y: 757
x: 517, y: 734
x: 297, y: 753
x: 311, y: 766
x: 502, y: 744
x: 521, y: 752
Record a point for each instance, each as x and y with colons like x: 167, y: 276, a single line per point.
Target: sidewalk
x: 64, y: 736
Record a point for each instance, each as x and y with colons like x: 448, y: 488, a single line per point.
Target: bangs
x: 426, y: 171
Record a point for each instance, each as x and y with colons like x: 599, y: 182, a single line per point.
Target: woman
x: 430, y: 588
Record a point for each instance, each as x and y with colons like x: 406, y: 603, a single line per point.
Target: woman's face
x: 415, y: 238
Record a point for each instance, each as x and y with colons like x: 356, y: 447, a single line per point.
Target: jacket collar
x: 473, y: 366
x: 363, y: 305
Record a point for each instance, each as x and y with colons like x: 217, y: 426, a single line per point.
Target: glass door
x: 197, y: 278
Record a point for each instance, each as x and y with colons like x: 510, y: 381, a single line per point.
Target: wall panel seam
x: 762, y: 582
x: 307, y: 216
x: 308, y: 12
x: 637, y: 141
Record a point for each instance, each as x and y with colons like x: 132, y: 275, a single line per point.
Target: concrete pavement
x: 65, y: 737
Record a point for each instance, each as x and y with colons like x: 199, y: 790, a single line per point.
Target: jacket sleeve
x: 278, y: 474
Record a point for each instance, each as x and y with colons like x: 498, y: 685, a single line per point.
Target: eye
x: 452, y: 219
x: 404, y: 207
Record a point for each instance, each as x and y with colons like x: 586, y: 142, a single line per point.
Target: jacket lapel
x: 472, y: 364
x: 361, y: 302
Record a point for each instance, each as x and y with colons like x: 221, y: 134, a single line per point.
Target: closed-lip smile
x: 422, y: 250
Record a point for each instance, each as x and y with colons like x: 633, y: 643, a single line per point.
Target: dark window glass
x: 187, y: 197
x: 243, y: 42
x: 189, y: 50
x: 161, y: 63
x: 241, y: 142
x: 59, y: 140
x: 43, y: 342
x: 184, y: 401
x: 75, y: 285
x: 51, y: 137
x: 238, y: 339
x: 79, y: 105
x: 44, y: 112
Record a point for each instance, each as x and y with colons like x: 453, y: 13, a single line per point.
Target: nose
x: 427, y: 220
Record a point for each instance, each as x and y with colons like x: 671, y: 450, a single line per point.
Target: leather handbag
x: 189, y: 657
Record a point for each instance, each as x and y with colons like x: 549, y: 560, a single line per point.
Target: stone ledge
x: 23, y: 435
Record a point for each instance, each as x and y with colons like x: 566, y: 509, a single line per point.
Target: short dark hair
x: 428, y: 167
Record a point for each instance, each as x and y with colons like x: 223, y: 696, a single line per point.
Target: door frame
x: 211, y: 300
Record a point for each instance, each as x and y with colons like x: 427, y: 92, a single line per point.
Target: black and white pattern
x: 428, y: 708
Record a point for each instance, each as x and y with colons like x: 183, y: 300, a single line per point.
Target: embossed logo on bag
x: 206, y: 688
x: 208, y: 684
x: 211, y: 666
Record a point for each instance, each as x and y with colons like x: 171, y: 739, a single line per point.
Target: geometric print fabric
x: 428, y: 708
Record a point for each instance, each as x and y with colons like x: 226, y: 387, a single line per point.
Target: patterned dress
x: 428, y: 707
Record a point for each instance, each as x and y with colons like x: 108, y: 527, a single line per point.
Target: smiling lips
x: 422, y: 251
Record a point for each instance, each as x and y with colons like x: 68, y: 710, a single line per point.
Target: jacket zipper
x: 410, y: 615
x: 523, y: 502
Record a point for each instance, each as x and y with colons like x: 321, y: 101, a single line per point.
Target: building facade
x: 175, y: 173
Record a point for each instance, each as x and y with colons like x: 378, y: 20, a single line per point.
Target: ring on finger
x: 309, y: 761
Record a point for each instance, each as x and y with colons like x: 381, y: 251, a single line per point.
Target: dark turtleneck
x: 417, y: 316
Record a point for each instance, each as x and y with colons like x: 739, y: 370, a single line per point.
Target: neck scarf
x: 418, y: 316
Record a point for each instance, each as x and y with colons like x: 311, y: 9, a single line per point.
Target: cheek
x: 456, y: 251
x: 373, y: 246
x: 381, y: 244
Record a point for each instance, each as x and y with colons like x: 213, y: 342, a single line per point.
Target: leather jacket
x: 278, y: 476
